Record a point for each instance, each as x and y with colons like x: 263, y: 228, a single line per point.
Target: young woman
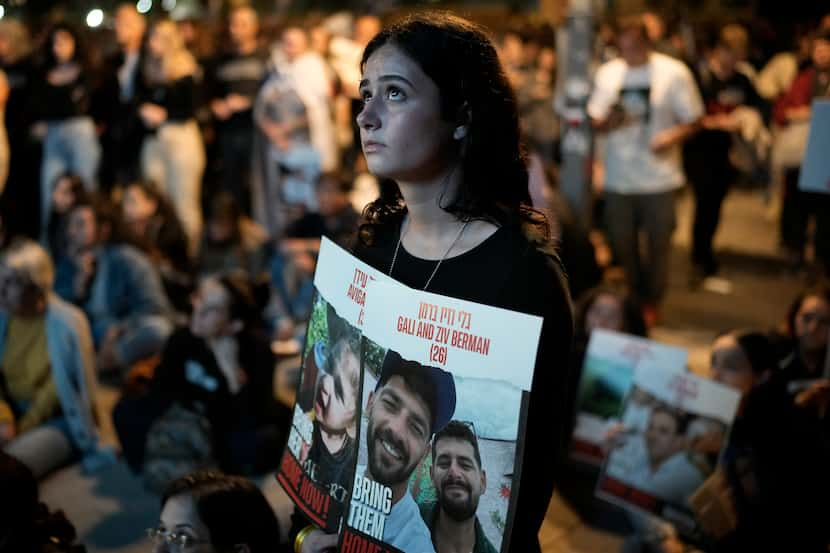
x: 210, y: 512
x: 71, y: 143
x: 221, y: 368
x: 67, y: 191
x: 173, y: 153
x: 440, y: 120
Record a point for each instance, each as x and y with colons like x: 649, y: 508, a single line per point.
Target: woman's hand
x: 318, y: 541
x: 153, y: 115
x: 817, y: 397
x: 615, y: 437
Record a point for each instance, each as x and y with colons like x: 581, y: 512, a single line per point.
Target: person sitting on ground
x: 220, y: 367
x: 26, y: 524
x: 231, y: 241
x: 68, y: 190
x: 47, y: 380
x: 152, y: 225
x: 118, y: 288
x: 218, y: 512
x: 336, y: 219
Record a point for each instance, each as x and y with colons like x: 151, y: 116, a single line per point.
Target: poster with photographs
x: 658, y: 463
x: 607, y: 376
x: 445, y: 386
x: 318, y: 464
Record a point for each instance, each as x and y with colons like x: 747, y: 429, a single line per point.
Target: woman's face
x: 155, y: 44
x: 62, y: 196
x: 63, y: 46
x: 730, y: 365
x: 12, y: 289
x: 179, y: 517
x: 402, y: 132
x: 606, y: 313
x: 812, y: 323
x: 211, y: 310
x: 137, y: 205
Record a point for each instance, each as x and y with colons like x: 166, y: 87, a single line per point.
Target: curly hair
x: 461, y: 60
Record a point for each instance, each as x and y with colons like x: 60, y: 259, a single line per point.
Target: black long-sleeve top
x: 177, y: 97
x: 61, y: 102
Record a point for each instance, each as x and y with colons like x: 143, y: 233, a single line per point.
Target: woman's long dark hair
x: 460, y: 59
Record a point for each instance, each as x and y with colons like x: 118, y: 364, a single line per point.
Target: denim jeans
x: 71, y: 145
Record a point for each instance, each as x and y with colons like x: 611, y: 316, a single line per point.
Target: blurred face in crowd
x: 458, y: 479
x: 243, y: 25
x: 365, y: 29
x: 662, y: 437
x: 211, y: 316
x: 730, y: 364
x: 62, y: 195
x: 137, y: 205
x: 606, y: 312
x: 82, y: 229
x: 633, y: 46
x: 821, y: 54
x: 180, y: 517
x: 335, y: 403
x: 294, y: 43
x: 812, y: 323
x: 330, y: 198
x: 63, y: 46
x: 403, y: 133
x: 129, y: 26
x: 398, y: 432
x: 725, y: 59
x: 12, y: 289
x: 319, y: 40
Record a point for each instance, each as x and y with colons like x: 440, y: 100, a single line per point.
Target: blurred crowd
x: 165, y: 194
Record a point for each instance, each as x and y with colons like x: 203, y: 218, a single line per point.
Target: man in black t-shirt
x: 235, y: 80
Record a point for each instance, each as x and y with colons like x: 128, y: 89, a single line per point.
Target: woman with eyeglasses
x: 440, y: 121
x: 210, y: 512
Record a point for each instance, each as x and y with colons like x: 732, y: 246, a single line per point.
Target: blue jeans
x: 71, y: 145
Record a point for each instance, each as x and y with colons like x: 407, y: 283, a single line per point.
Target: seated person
x: 222, y: 513
x: 47, y: 380
x: 222, y: 368
x: 118, y: 288
x: 68, y: 189
x: 151, y: 224
x: 230, y: 240
x: 26, y: 524
x: 336, y: 219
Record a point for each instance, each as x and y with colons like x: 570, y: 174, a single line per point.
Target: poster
x: 445, y: 387
x: 607, y: 376
x: 815, y: 169
x: 657, y: 469
x: 317, y: 466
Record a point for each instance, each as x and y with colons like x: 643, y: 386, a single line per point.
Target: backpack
x: 179, y: 442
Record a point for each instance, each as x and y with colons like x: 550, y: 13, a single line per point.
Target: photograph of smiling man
x: 409, y: 404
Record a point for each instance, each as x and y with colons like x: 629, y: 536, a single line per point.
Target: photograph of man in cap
x: 410, y: 404
x: 459, y: 481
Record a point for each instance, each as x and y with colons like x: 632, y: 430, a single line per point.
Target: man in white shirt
x: 668, y: 474
x: 647, y: 104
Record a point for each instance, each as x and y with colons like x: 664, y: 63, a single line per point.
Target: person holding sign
x: 459, y: 481
x: 440, y: 121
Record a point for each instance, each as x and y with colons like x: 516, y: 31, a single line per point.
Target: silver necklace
x: 437, y: 265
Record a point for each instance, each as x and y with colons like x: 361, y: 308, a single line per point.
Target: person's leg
x: 43, y: 448
x: 794, y: 215
x: 132, y: 418
x: 185, y: 168
x: 84, y: 151
x: 709, y: 195
x: 53, y: 164
x: 152, y: 161
x: 658, y: 224
x: 621, y: 224
x: 821, y: 212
